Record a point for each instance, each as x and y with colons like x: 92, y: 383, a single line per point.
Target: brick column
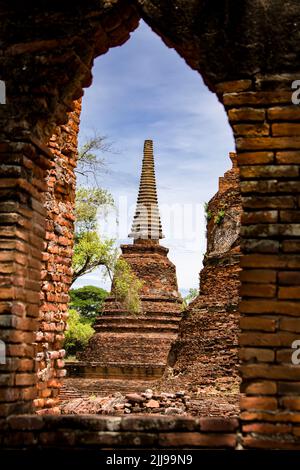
x: 266, y: 126
x: 23, y: 168
x: 57, y: 261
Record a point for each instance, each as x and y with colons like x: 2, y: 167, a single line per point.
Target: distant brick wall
x: 57, y: 259
x: 206, y: 352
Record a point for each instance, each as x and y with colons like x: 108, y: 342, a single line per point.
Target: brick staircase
x: 79, y: 387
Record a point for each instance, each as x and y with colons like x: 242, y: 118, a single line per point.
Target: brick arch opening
x: 255, y: 88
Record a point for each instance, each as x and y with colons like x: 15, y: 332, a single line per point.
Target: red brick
x: 189, y: 439
x: 234, y: 86
x: 267, y: 143
x: 271, y: 371
x: 269, y: 171
x: 289, y: 293
x: 258, y: 323
x: 258, y: 403
x: 259, y: 355
x: 269, y: 202
x: 257, y: 98
x: 286, y: 129
x: 287, y: 113
x: 262, y: 276
x: 260, y: 388
x: 288, y: 158
x: 258, y: 290
x: 267, y: 339
x: 246, y: 114
x: 262, y: 129
x: 266, y: 428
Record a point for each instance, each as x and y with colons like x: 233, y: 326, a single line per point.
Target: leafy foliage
x: 88, y: 301
x: 78, y: 333
x: 219, y: 217
x: 127, y: 287
x: 88, y: 201
x: 90, y: 253
x: 90, y: 163
x: 208, y: 213
x: 193, y: 293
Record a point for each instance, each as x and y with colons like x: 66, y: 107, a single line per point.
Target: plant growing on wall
x: 208, y: 213
x: 219, y: 217
x: 127, y: 287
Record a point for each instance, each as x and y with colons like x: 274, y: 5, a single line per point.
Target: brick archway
x: 47, y: 61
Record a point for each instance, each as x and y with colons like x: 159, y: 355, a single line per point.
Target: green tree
x: 78, y: 333
x: 90, y: 251
x: 88, y: 301
x: 192, y: 294
x: 91, y: 161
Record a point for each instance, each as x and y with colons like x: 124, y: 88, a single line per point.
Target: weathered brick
x: 234, y: 85
x: 271, y: 371
x: 256, y: 158
x: 258, y: 323
x: 290, y: 324
x: 269, y: 202
x: 286, y: 129
x: 246, y: 114
x: 264, y: 428
x: 258, y: 403
x: 267, y: 339
x: 259, y: 355
x: 287, y: 113
x: 218, y: 424
x: 291, y: 246
x: 267, y: 143
x: 262, y: 129
x: 260, y: 388
x: 263, y: 217
x: 269, y: 171
x: 284, y: 356
x: 279, y: 443
x: 186, y: 439
x: 288, y: 158
x: 289, y: 293
x: 291, y: 403
x: 292, y: 216
x: 288, y: 388
x: 258, y: 290
x: 264, y: 276
x: 257, y: 98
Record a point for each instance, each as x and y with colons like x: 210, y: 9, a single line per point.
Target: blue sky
x: 143, y: 90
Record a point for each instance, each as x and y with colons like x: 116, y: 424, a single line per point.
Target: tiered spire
x: 146, y: 223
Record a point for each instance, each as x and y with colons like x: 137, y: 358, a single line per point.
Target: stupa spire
x: 146, y: 223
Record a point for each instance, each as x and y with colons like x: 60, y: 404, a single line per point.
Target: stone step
x: 143, y: 319
x: 82, y: 387
x: 132, y: 328
x: 147, y: 314
x: 115, y: 370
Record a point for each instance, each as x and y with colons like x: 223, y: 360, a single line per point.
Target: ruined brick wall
x: 247, y: 53
x: 205, y: 354
x: 57, y: 258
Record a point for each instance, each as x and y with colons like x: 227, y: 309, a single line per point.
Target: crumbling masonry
x: 247, y: 53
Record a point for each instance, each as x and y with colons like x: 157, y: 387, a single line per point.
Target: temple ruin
x: 128, y: 345
x: 247, y: 54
